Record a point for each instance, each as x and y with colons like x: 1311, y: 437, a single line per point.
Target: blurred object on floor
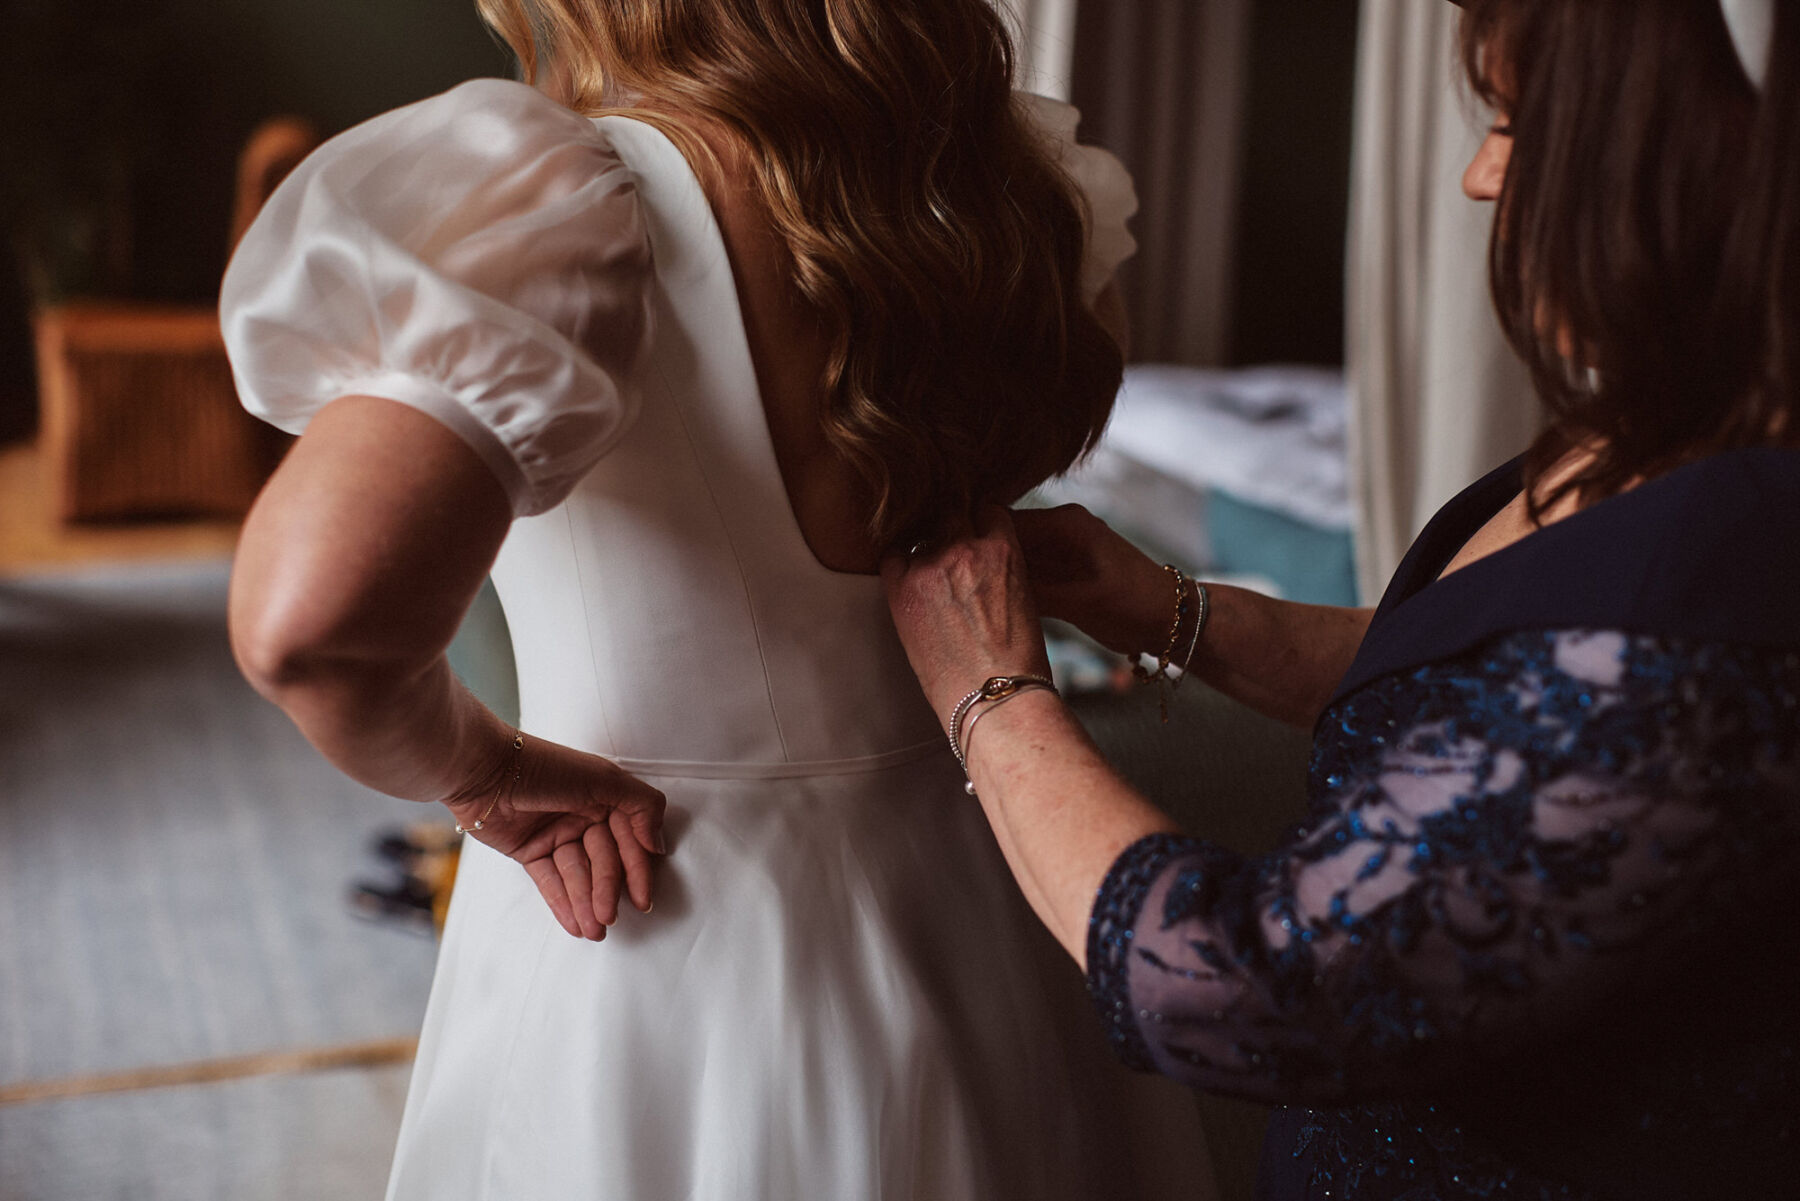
x: 419, y: 861
x: 32, y: 538
x: 1229, y: 474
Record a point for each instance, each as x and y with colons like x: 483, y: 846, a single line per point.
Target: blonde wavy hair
x: 925, y: 220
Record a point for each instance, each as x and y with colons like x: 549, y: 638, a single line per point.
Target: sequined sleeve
x: 1497, y: 846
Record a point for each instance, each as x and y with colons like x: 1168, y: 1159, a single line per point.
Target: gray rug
x: 173, y: 863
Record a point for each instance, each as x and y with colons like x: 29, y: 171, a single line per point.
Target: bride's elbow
x: 287, y: 638
x: 271, y: 644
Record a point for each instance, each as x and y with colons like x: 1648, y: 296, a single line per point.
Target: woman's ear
x: 1486, y: 174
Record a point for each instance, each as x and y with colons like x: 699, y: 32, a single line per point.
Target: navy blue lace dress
x: 1537, y: 939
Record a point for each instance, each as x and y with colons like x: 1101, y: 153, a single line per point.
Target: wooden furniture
x: 274, y: 149
x: 139, y: 415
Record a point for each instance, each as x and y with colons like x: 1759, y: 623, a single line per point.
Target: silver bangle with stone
x: 996, y: 689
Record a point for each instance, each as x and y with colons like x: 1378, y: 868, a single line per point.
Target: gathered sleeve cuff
x: 481, y: 257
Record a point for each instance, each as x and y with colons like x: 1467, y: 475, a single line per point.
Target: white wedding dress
x: 840, y: 994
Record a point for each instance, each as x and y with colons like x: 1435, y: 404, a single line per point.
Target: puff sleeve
x: 1102, y: 181
x: 481, y: 256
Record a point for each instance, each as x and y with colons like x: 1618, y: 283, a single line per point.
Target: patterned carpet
x: 173, y: 862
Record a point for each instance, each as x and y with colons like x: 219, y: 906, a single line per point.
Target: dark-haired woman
x: 1537, y: 937
x: 765, y: 287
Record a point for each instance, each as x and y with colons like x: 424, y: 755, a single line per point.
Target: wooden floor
x: 31, y: 537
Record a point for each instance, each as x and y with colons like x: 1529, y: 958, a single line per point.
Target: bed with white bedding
x: 1229, y: 474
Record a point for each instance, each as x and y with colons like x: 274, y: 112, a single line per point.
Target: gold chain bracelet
x: 1164, y: 660
x: 518, y: 754
x: 1190, y: 595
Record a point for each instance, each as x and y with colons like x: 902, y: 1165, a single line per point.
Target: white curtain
x: 1046, y: 44
x: 1438, y: 397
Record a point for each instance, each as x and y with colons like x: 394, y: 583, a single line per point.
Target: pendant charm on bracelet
x: 518, y: 748
x: 1191, y: 597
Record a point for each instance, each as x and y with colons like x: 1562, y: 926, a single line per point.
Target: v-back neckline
x: 722, y: 282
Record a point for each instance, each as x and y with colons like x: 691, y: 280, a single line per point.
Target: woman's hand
x: 1083, y: 573
x: 1060, y: 815
x: 583, y: 828
x: 965, y: 613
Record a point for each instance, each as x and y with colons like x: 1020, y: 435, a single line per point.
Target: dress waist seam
x: 702, y: 770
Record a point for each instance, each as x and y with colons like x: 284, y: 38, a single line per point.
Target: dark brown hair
x: 926, y: 222
x: 1646, y: 253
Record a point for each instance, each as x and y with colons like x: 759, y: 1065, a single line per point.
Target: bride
x: 676, y: 344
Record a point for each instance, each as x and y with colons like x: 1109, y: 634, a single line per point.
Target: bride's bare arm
x: 355, y: 568
x: 1280, y: 658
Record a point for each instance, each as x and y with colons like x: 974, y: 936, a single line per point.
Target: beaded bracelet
x: 998, y: 688
x: 1201, y: 600
x: 1144, y: 674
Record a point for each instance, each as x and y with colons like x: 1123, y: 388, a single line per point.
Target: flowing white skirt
x: 840, y: 995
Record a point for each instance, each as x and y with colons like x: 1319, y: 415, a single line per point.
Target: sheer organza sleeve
x: 1105, y: 185
x: 480, y: 256
x: 1498, y: 847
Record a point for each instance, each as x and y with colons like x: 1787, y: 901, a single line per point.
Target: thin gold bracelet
x: 1144, y: 674
x: 518, y: 753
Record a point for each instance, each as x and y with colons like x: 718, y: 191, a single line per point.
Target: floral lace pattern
x: 1520, y: 899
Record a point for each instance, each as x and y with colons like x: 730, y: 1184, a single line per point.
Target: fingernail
x: 662, y: 843
x: 648, y: 908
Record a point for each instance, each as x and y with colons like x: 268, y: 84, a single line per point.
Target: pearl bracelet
x: 518, y: 749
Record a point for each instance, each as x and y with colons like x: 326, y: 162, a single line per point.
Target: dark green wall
x: 1293, y: 210
x: 138, y: 108
x: 335, y: 62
